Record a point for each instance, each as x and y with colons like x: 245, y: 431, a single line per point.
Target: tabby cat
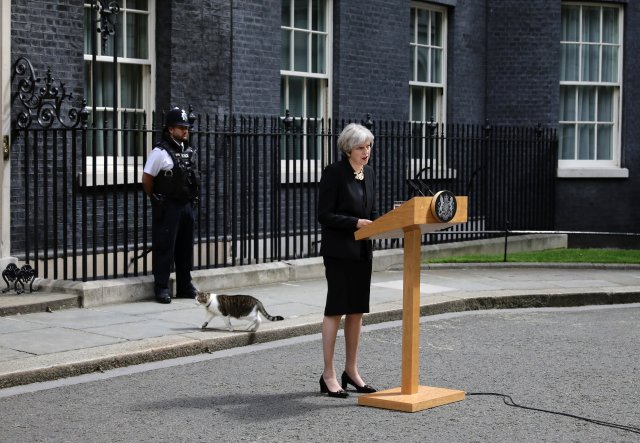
x: 243, y: 307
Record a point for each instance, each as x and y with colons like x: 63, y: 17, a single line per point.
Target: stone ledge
x: 101, y: 292
x: 35, y: 302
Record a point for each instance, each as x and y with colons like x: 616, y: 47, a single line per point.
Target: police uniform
x: 175, y: 190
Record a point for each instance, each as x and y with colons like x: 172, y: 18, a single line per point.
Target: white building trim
x: 5, y: 124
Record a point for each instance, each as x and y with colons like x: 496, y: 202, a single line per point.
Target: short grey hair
x: 353, y: 135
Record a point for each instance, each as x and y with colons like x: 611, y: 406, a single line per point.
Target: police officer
x: 171, y: 181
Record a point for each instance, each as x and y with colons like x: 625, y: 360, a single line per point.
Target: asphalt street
x: 582, y: 361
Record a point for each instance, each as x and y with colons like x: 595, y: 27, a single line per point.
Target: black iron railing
x: 79, y: 212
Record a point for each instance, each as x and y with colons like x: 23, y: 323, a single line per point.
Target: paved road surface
x: 582, y: 361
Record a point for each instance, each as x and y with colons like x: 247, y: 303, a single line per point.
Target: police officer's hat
x: 176, y: 117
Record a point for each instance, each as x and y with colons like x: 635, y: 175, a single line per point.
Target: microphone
x: 421, y: 182
x: 424, y: 185
x: 415, y: 187
x: 470, y: 182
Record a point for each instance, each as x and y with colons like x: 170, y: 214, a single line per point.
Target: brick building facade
x: 501, y: 62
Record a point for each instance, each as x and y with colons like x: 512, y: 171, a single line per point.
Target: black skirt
x: 348, y: 285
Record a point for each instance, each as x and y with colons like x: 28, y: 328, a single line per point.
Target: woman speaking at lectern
x: 346, y: 203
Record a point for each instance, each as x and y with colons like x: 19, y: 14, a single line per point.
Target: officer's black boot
x: 162, y: 294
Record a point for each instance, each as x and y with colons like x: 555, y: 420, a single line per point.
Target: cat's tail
x: 266, y: 315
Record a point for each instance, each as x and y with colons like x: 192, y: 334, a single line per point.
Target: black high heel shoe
x: 325, y: 390
x: 366, y: 389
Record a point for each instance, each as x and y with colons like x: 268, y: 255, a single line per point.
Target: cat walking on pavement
x: 242, y: 307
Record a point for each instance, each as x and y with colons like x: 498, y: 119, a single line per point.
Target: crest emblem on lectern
x: 444, y: 206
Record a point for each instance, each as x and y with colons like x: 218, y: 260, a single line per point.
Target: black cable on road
x: 509, y: 402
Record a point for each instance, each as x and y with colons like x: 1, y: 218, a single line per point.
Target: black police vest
x: 181, y: 182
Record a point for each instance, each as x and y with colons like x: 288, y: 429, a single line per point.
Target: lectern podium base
x: 426, y: 397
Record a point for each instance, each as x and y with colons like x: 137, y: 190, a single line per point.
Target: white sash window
x: 590, y: 90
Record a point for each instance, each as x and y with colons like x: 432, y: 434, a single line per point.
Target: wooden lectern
x: 412, y: 219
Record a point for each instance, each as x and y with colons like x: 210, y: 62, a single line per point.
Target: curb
x: 163, y: 348
x: 534, y: 265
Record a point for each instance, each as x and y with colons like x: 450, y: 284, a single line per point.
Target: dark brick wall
x: 193, y: 47
x: 466, y: 63
x: 215, y: 66
x: 256, y: 57
x: 371, y: 59
x: 608, y: 205
x: 503, y: 65
x: 523, y: 62
x: 50, y: 34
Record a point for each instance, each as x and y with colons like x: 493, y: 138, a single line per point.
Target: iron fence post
x: 506, y: 240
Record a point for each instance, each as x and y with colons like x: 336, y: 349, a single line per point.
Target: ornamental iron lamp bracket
x: 287, y: 120
x: 191, y: 117
x: 432, y: 125
x: 487, y: 128
x: 44, y: 103
x: 107, y: 12
x: 368, y: 123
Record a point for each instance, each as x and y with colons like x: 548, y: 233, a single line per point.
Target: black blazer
x: 340, y: 204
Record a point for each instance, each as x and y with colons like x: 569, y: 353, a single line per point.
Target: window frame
x: 441, y: 100
x: 423, y: 163
x: 582, y: 168
x: 307, y: 169
x: 104, y: 164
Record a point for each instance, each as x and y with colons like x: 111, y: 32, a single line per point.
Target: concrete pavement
x: 62, y: 339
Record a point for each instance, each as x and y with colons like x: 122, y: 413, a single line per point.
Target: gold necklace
x: 359, y: 174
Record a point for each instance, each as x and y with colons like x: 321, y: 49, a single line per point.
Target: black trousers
x: 172, y: 237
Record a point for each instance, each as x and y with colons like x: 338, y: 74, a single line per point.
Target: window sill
x: 105, y: 175
x: 435, y: 172
x: 602, y: 172
x: 295, y: 172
